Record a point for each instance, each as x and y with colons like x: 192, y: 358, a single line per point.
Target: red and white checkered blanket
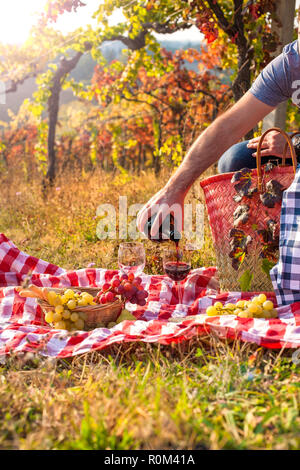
x: 22, y: 328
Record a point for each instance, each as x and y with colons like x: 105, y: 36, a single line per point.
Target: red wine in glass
x: 177, y: 266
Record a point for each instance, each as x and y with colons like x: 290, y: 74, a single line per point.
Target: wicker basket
x: 95, y: 315
x: 219, y: 193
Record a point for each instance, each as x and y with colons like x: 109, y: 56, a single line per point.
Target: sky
x: 17, y: 17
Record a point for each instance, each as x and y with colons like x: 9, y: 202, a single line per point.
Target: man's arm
x: 219, y: 136
x: 225, y: 131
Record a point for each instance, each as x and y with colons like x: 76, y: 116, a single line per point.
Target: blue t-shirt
x: 280, y: 79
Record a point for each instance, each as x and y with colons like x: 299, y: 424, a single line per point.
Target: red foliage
x: 58, y: 7
x: 19, y: 142
x: 178, y: 103
x: 254, y: 11
x: 162, y: 111
x: 205, y: 21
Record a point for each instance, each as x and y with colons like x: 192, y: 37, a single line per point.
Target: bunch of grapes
x: 205, y: 22
x: 125, y: 286
x: 257, y: 307
x: 62, y: 316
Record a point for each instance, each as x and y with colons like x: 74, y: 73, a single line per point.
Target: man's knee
x: 236, y: 157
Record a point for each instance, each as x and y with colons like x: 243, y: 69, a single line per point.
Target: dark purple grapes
x: 141, y: 295
x: 126, y: 286
x: 120, y: 289
x: 134, y: 289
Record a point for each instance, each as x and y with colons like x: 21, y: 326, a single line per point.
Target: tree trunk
x: 5, y: 158
x: 285, y: 10
x: 139, y: 159
x: 64, y: 68
x: 235, y: 30
x: 156, y: 158
x: 242, y: 82
x: 144, y: 158
x: 53, y: 107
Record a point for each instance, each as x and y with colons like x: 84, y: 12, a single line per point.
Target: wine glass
x: 177, y: 265
x: 131, y: 257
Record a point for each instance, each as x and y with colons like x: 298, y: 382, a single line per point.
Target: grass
x: 201, y: 394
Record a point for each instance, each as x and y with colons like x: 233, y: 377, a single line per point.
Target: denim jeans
x: 240, y: 156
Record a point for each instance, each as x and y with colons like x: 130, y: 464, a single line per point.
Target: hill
x: 83, y: 72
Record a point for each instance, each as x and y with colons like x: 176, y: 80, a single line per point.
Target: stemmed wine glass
x: 177, y: 265
x: 131, y: 257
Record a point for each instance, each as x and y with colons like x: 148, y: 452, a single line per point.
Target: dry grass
x: 60, y: 226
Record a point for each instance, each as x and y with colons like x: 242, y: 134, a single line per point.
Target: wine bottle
x: 167, y: 230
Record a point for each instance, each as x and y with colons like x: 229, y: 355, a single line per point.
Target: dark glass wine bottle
x: 167, y: 230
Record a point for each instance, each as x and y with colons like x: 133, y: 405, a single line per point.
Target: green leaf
x: 245, y: 280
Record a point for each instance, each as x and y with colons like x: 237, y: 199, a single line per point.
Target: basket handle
x: 258, y: 153
x: 286, y: 146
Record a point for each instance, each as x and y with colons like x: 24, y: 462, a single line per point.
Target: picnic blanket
x: 22, y: 328
x: 285, y: 275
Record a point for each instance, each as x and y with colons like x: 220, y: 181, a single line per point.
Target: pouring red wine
x: 176, y: 262
x: 177, y: 265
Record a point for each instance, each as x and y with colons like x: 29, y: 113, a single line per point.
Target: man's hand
x: 273, y: 144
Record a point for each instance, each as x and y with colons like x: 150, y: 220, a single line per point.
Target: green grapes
x: 257, y: 307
